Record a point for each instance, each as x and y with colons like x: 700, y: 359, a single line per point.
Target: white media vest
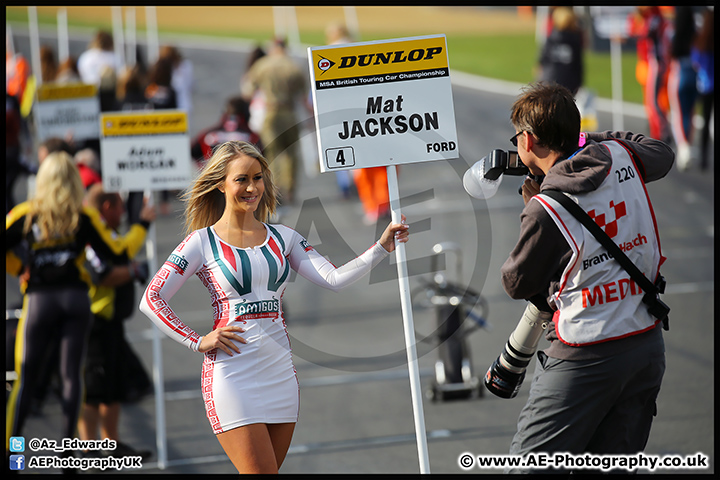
x: 597, y: 300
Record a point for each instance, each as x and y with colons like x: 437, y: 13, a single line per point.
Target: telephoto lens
x: 501, y: 381
x: 506, y: 374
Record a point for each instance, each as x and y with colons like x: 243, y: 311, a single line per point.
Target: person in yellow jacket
x: 108, y: 382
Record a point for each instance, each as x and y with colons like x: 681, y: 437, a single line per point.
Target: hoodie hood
x: 583, y: 172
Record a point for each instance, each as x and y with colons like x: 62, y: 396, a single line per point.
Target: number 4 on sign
x: 343, y: 157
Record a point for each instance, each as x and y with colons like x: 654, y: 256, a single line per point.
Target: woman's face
x: 244, y: 185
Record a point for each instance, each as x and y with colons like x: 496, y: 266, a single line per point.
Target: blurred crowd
x: 675, y: 66
x: 166, y: 84
x: 675, y: 69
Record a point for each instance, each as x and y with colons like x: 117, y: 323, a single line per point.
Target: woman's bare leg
x: 281, y: 436
x: 257, y: 448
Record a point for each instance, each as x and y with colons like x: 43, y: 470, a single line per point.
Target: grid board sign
x: 383, y: 103
x: 145, y: 151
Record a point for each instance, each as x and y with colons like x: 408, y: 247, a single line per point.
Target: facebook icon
x: 17, y: 462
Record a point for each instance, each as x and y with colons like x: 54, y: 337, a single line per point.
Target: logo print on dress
x: 177, y: 262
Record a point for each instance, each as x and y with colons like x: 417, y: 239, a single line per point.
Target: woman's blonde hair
x: 205, y: 203
x: 56, y: 206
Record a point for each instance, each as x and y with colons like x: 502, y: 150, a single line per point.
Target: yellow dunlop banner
x: 51, y: 92
x: 150, y: 123
x: 389, y: 59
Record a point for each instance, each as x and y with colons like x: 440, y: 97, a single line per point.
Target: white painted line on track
x: 326, y: 381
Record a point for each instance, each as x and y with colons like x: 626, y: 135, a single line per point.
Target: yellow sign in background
x: 50, y: 92
x: 122, y: 124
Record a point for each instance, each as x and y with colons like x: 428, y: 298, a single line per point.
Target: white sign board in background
x: 64, y: 111
x: 383, y: 103
x: 611, y: 21
x: 144, y: 151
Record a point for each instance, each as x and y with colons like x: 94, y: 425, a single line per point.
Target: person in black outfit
x: 56, y: 228
x: 561, y: 59
x: 703, y: 57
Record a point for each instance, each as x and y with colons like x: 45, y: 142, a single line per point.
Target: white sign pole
x: 158, y: 373
x: 352, y: 23
x: 408, y: 325
x: 118, y: 37
x: 131, y: 42
x: 34, y: 45
x: 9, y: 43
x: 292, y: 25
x: 617, y: 90
x: 153, y: 42
x: 63, y: 39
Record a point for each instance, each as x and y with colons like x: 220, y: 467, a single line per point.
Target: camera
x: 506, y: 162
x: 506, y: 374
x: 483, y: 179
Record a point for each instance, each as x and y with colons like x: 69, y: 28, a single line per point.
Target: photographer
x: 595, y: 386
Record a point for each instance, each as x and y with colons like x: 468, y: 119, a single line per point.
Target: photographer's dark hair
x: 548, y: 111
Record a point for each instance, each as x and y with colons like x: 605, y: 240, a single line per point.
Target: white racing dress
x: 246, y: 285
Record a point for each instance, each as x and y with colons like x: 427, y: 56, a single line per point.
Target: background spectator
x: 283, y: 84
x: 159, y: 91
x: 561, y: 59
x: 131, y: 90
x: 108, y: 376
x: 17, y: 71
x: 107, y: 90
x: 257, y: 102
x: 68, y: 72
x: 682, y: 83
x: 88, y: 165
x: 703, y: 55
x: 649, y: 28
x: 48, y: 64
x: 181, y: 78
x: 99, y: 54
x: 232, y: 126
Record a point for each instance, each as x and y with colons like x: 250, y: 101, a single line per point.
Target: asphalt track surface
x: 355, y: 404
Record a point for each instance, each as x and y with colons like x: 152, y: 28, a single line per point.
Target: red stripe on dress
x: 229, y: 255
x: 162, y: 310
x: 274, y: 246
x: 208, y: 371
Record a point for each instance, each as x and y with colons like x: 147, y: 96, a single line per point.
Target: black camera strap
x: 656, y: 307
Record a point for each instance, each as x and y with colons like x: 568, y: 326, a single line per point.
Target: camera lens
x: 502, y: 382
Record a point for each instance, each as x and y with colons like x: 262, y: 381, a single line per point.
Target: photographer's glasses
x: 514, y: 139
